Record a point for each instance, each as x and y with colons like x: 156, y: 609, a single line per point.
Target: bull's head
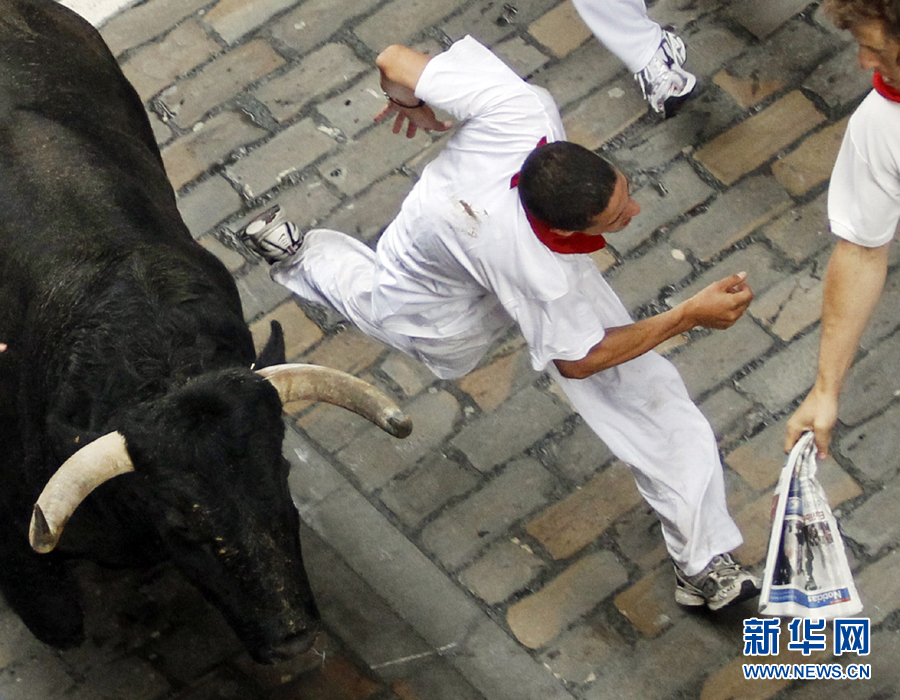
x: 210, y: 478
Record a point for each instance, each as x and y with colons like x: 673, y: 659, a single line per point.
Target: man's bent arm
x: 401, y: 67
x: 853, y: 284
x: 719, y: 305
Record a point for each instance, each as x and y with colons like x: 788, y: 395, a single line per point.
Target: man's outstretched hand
x: 720, y: 304
x: 418, y: 117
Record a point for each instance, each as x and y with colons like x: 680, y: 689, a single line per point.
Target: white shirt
x: 461, y: 244
x: 864, y: 193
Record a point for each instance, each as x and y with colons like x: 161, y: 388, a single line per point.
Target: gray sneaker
x: 722, y: 583
x: 664, y: 81
x: 271, y: 236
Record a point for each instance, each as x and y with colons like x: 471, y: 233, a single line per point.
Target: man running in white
x: 494, y: 233
x: 863, y: 210
x: 655, y: 55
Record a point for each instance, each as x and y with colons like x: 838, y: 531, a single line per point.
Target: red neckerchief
x: 577, y: 242
x: 885, y: 90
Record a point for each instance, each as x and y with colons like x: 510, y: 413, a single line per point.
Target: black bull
x: 123, y: 331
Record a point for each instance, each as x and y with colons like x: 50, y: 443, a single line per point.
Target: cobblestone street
x: 501, y: 552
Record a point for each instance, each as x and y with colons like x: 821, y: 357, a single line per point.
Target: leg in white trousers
x: 640, y: 409
x: 624, y: 28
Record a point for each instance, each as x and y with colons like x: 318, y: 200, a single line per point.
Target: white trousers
x: 640, y: 409
x: 624, y: 28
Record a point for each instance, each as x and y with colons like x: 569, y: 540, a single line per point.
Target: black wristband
x: 421, y: 103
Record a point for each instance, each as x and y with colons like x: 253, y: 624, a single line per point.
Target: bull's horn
x: 296, y: 382
x: 93, y: 464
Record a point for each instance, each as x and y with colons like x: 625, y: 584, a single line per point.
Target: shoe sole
x: 692, y: 600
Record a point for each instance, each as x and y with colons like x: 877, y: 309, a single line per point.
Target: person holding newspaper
x: 863, y: 211
x: 497, y: 231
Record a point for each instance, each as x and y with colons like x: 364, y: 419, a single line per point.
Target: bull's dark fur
x: 117, y: 320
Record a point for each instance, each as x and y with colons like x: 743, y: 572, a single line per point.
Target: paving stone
x: 146, y: 21
x: 504, y: 569
x: 756, y: 260
x: 754, y: 521
x: 728, y: 412
x: 522, y: 57
x: 490, y: 21
x: 811, y: 164
x: 410, y: 375
x: 729, y: 682
x: 289, y: 152
x: 234, y: 19
x: 884, y: 319
x: 577, y: 654
x: 221, y: 684
x: 791, y: 305
x: 375, y: 457
x: 435, y: 681
x: 318, y: 73
x: 756, y: 140
x: 366, y: 216
x: 497, y: 436
x: 161, y: 132
x: 873, y: 446
x: 683, y: 654
x: 868, y: 525
x: 663, y: 200
x: 350, y: 607
x: 16, y: 642
x: 488, y: 648
x: 157, y: 65
x: 39, y: 676
x: 312, y: 478
x: 801, y: 231
x: 765, y: 16
x: 400, y: 21
x: 354, y: 109
x: 579, y: 454
x: 578, y: 73
x: 871, y: 383
x: 653, y: 147
x: 709, y: 360
x: 604, y: 114
x: 570, y: 525
x: 314, y: 21
x: 839, y: 81
x: 540, y: 617
x: 731, y: 216
x: 207, y: 204
x: 561, y: 29
x: 349, y: 351
x: 463, y: 531
x: 258, y: 293
x: 217, y: 82
x: 649, y: 604
x: 206, y: 145
x: 783, y: 59
x: 879, y: 587
x: 710, y: 45
x: 784, y: 376
x: 661, y: 264
x: 299, y: 332
x: 305, y: 202
x: 491, y: 385
x: 437, y: 480
x: 365, y: 160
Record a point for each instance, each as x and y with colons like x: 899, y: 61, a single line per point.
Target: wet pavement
x: 501, y: 552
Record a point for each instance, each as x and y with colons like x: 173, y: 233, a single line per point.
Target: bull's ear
x: 273, y: 352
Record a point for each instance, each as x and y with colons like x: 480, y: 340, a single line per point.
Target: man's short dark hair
x: 566, y: 185
x: 846, y: 13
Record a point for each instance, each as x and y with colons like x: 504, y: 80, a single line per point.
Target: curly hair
x: 846, y: 13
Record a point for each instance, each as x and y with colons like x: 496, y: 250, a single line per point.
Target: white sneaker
x: 271, y: 236
x: 663, y: 81
x: 722, y: 583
